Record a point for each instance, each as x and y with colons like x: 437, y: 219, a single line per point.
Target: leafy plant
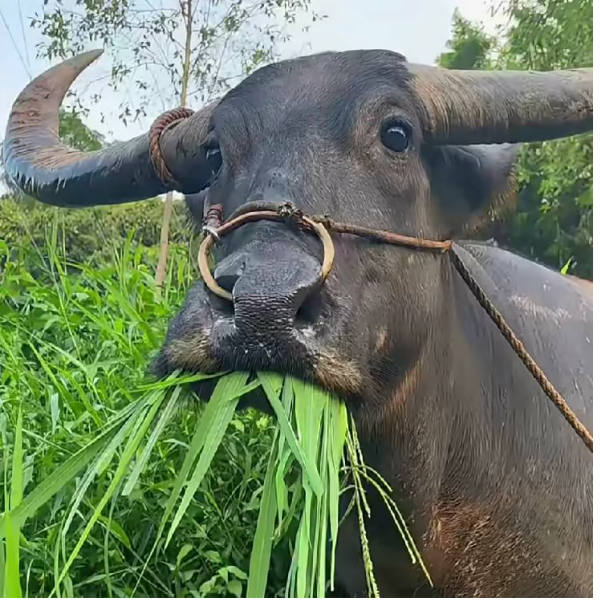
x: 75, y: 346
x: 553, y: 219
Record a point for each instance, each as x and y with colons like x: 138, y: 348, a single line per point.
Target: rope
x: 551, y: 392
x: 386, y: 237
x: 161, y: 123
x: 320, y: 225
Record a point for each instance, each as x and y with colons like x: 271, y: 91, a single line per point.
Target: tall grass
x: 112, y: 490
x: 75, y: 343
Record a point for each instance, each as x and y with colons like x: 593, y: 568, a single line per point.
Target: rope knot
x: 325, y: 220
x: 213, y: 220
x: 291, y: 214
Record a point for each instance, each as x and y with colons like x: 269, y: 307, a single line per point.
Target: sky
x: 418, y: 29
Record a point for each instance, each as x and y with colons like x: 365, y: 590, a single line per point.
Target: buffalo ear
x: 472, y: 184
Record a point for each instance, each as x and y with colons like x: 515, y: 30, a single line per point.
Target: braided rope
x: 164, y: 121
x: 551, y: 392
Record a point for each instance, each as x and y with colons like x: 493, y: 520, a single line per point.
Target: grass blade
x: 214, y: 421
x: 219, y: 425
x: 16, y: 484
x: 2, y: 566
x: 260, y: 559
x: 286, y: 429
x: 12, y: 583
x: 202, y: 429
x: 12, y: 579
x: 319, y: 560
x: 303, y: 547
x: 339, y: 430
x: 177, y: 380
x: 285, y: 458
x: 158, y: 429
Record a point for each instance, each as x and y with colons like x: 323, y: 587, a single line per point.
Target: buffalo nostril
x: 310, y: 310
x: 229, y: 270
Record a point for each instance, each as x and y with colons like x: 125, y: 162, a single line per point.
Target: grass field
x: 117, y: 485
x: 75, y: 344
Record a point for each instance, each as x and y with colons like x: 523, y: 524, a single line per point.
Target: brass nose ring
x: 305, y: 223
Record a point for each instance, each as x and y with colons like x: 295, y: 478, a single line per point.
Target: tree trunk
x: 161, y: 268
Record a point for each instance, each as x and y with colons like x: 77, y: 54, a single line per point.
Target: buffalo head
x: 364, y: 137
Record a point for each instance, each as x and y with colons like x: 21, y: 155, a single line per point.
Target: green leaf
x: 566, y: 266
x: 12, y: 583
x: 12, y: 579
x: 116, y: 529
x: 185, y: 550
x: 260, y: 558
x: 158, y: 429
x: 339, y: 430
x: 177, y: 380
x: 16, y: 484
x: 237, y: 572
x: 235, y: 587
x: 54, y: 410
x: 286, y: 429
x: 213, y: 424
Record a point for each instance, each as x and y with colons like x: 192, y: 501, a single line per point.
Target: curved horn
x: 40, y: 165
x: 496, y: 107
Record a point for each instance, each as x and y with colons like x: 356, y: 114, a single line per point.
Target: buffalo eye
x: 395, y: 136
x: 214, y: 160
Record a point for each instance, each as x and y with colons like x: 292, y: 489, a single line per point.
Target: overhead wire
x: 15, y: 45
x: 23, y: 36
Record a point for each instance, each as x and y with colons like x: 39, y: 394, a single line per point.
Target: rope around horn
x: 160, y: 124
x: 321, y: 226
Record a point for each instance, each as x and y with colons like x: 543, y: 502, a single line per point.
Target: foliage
x: 74, y: 347
x: 90, y: 234
x: 553, y: 222
x: 551, y: 34
x: 74, y: 133
x: 469, y: 47
x: 153, y: 48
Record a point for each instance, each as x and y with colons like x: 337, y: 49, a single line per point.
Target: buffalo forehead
x: 325, y: 90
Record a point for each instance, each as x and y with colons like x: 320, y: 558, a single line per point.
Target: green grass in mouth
x: 315, y: 455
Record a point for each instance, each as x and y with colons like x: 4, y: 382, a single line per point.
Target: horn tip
x: 55, y: 82
x: 82, y: 61
x: 90, y: 56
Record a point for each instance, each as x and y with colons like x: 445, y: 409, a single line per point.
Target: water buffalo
x: 496, y: 486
